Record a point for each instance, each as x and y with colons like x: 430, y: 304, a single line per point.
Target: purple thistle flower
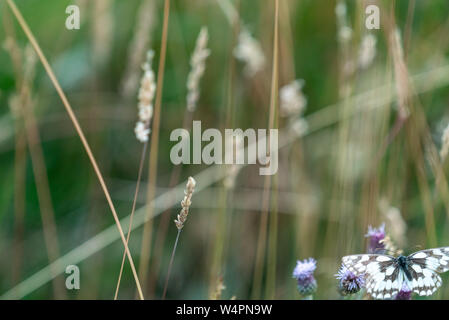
x: 303, y: 273
x: 405, y: 293
x: 376, y: 235
x: 349, y: 282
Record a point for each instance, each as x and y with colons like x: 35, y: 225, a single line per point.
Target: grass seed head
x: 198, y: 66
x: 146, y: 96
x: 185, y: 203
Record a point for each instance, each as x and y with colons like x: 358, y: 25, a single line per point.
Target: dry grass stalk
x: 394, y: 220
x: 19, y: 155
x: 229, y: 10
x: 401, y: 75
x: 142, y: 130
x: 198, y: 65
x: 444, y: 144
x: 344, y: 30
x: 390, y: 247
x: 145, y: 251
x: 292, y: 100
x: 222, y: 222
x: 136, y: 193
x: 216, y: 294
x: 185, y: 203
x: 416, y: 131
x: 179, y: 222
x: 103, y: 25
x: 21, y: 106
x: 146, y: 21
x: 146, y: 97
x: 367, y: 51
x: 234, y: 169
x: 249, y: 51
x: 346, y: 59
x: 77, y: 126
x: 19, y: 199
x: 261, y: 243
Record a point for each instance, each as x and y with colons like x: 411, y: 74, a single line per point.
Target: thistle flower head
x: 303, y: 273
x: 349, y: 282
x: 405, y: 293
x: 376, y: 235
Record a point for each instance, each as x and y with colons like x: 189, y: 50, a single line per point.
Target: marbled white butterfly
x: 385, y: 275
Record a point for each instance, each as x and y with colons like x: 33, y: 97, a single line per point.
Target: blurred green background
x: 330, y: 182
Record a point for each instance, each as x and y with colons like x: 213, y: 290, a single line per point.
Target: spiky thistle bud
x: 303, y: 273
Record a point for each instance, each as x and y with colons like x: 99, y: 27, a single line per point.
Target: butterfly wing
x: 382, y: 278
x: 424, y: 267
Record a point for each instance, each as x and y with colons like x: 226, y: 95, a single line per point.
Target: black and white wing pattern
x: 386, y: 275
x: 383, y: 279
x: 424, y: 267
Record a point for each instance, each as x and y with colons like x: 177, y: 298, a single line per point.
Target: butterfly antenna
x: 391, y: 252
x: 384, y: 251
x: 415, y: 248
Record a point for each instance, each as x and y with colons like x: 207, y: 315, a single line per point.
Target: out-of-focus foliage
x: 329, y: 185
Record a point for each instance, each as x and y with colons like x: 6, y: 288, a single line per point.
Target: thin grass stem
x: 136, y: 194
x: 261, y: 243
x: 77, y: 126
x: 167, y: 277
x: 145, y: 252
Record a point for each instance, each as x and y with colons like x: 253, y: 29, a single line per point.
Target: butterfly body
x: 403, y: 263
x: 386, y: 275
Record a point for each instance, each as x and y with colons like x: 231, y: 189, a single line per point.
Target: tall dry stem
x: 261, y: 243
x: 179, y: 222
x: 145, y: 251
x: 77, y: 126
